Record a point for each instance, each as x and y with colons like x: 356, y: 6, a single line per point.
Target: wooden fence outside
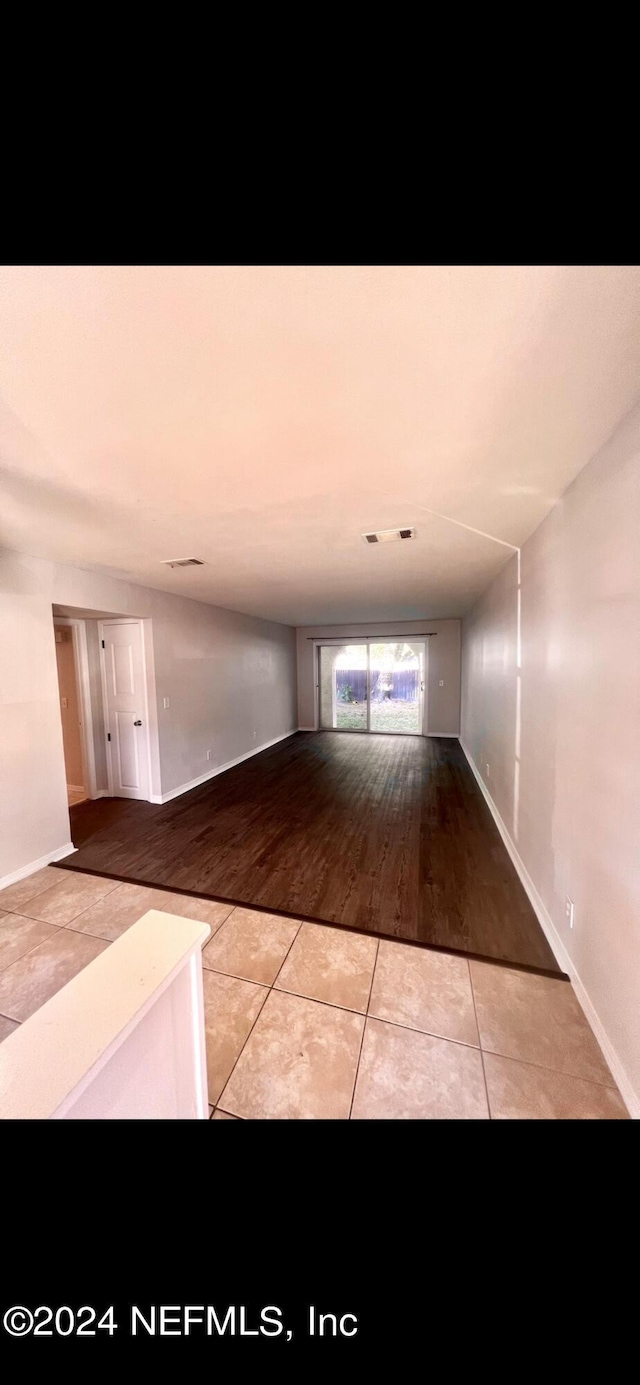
x: 404, y: 684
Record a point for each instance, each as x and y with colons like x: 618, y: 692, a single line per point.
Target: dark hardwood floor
x: 389, y: 834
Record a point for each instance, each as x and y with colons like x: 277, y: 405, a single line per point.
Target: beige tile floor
x: 305, y: 1021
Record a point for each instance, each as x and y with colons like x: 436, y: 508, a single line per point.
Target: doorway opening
x: 75, y: 740
x: 107, y: 706
x: 375, y: 686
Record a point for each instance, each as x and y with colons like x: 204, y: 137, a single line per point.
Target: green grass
x: 385, y: 716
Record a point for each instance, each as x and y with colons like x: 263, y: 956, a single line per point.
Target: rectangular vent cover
x: 182, y: 562
x: 389, y: 535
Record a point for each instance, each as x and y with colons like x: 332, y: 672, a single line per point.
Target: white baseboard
x: 452, y: 735
x: 630, y: 1097
x: 219, y: 769
x: 15, y: 875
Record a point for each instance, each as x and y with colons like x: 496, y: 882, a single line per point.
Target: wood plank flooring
x: 389, y: 834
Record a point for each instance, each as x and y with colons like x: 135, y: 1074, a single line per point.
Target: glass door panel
x: 397, y: 684
x: 342, y: 684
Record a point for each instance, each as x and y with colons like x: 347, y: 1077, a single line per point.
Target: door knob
x: 137, y: 723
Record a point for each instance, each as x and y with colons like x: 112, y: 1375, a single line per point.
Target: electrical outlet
x: 487, y: 772
x: 441, y: 684
x: 166, y: 702
x: 208, y: 754
x: 568, y: 911
x: 254, y: 735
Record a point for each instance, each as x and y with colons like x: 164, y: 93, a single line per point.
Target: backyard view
x: 394, y: 677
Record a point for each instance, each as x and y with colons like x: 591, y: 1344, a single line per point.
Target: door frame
x: 83, y: 691
x: 365, y: 639
x: 126, y: 620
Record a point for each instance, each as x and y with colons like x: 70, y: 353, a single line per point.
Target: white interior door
x: 125, y: 698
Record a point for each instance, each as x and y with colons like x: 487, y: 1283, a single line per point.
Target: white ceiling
x: 262, y: 418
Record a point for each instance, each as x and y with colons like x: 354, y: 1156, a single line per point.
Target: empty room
x: 319, y: 599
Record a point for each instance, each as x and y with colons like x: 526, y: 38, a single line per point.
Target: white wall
x: 231, y: 680
x: 574, y: 815
x: 34, y: 818
x: 443, y: 703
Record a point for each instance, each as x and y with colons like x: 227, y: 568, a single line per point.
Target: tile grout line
x: 364, y: 1027
x: 293, y: 940
x: 84, y: 933
x: 269, y: 989
x: 44, y: 942
x: 82, y: 912
x: 556, y: 1072
x: 230, y: 1075
x: 333, y: 1004
x: 484, y: 1072
x: 32, y: 918
x: 5, y: 970
x: 36, y: 895
x: 540, y: 1067
x: 348, y: 1010
x: 70, y: 928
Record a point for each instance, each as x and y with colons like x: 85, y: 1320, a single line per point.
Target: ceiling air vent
x: 182, y: 562
x: 389, y: 535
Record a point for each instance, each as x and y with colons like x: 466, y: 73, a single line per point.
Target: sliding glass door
x: 396, y: 678
x: 343, y: 685
x: 372, y: 685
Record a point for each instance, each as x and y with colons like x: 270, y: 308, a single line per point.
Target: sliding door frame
x: 319, y: 643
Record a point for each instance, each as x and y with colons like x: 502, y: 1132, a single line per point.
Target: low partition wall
x: 125, y: 1039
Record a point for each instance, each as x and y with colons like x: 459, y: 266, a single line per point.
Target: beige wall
x: 571, y: 800
x: 69, y: 708
x: 231, y: 681
x: 230, y: 678
x: 443, y: 705
x: 34, y: 818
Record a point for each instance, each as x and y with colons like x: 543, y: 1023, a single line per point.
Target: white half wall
x: 443, y: 654
x: 230, y: 680
x: 561, y: 735
x: 123, y: 1040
